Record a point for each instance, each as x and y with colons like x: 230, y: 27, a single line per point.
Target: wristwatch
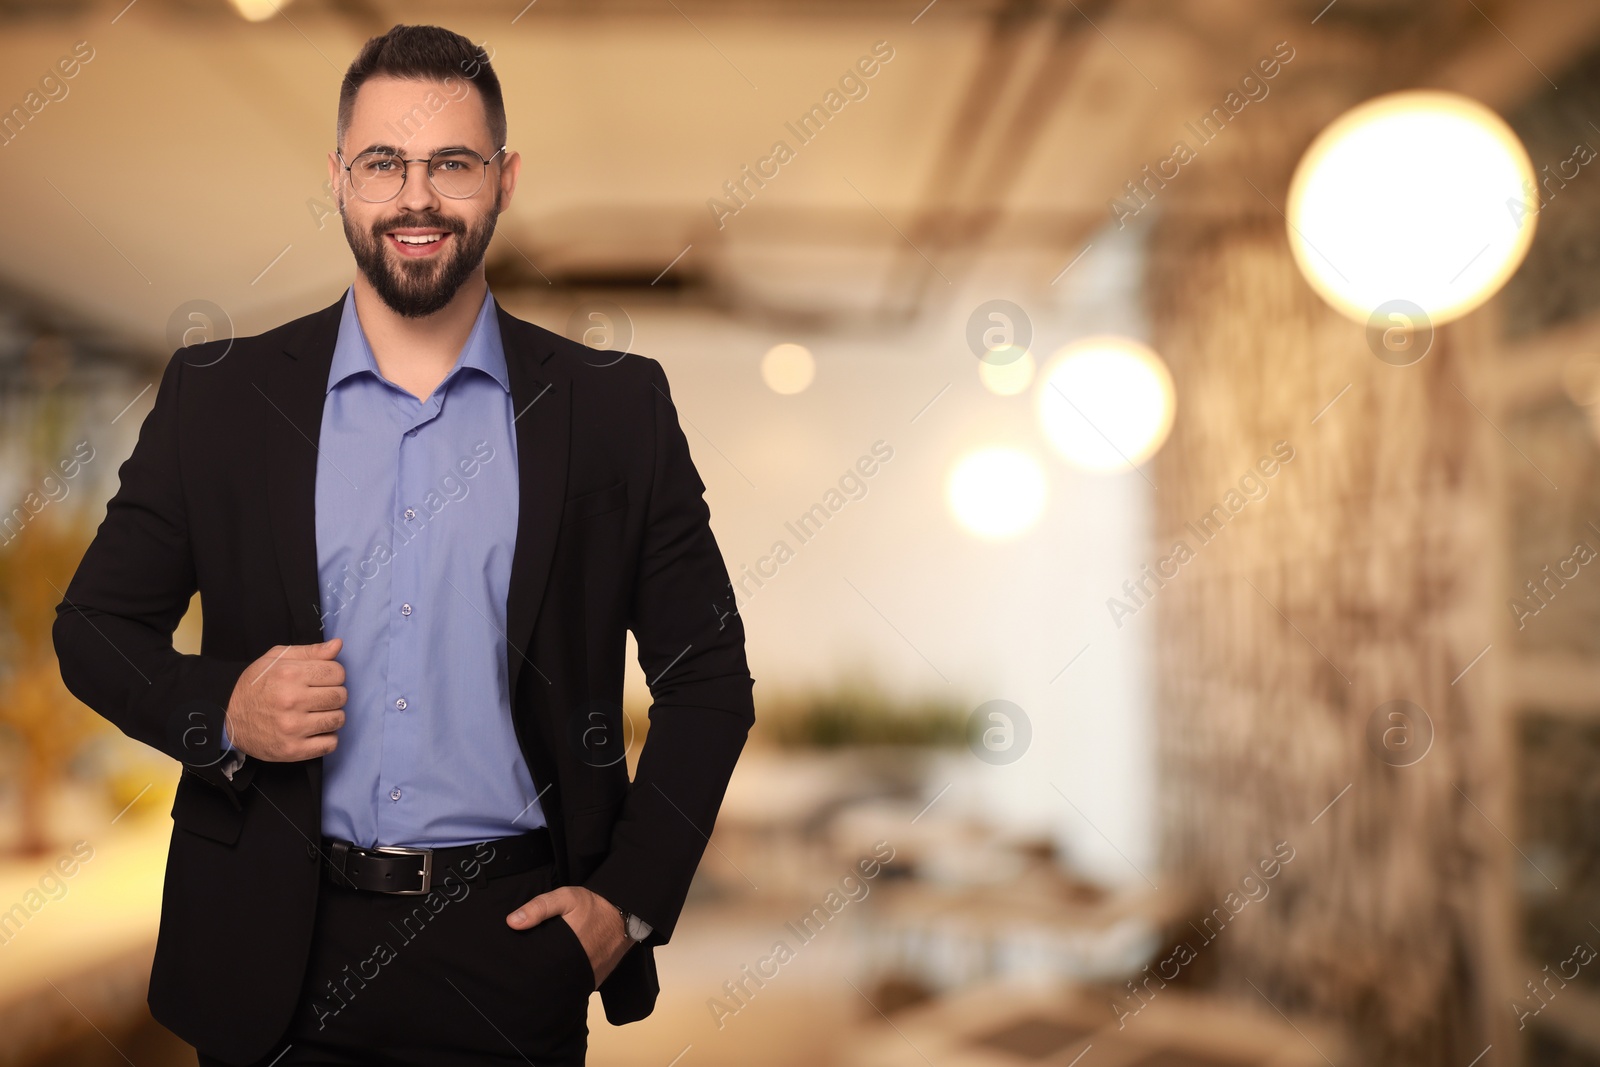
x: 636, y: 928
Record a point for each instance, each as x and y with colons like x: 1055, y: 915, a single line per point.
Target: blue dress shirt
x: 416, y: 521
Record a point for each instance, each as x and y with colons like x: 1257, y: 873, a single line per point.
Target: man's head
x: 418, y: 92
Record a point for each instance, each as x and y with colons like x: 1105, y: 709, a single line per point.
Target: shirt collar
x: 483, y: 350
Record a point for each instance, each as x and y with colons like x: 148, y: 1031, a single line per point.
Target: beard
x: 417, y: 288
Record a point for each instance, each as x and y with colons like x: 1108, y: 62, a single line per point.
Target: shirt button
x: 405, y: 609
x: 411, y: 513
x: 400, y: 704
x: 394, y: 794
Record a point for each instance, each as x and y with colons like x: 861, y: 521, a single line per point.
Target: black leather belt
x: 413, y: 871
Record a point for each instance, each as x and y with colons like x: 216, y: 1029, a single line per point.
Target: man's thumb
x: 321, y: 650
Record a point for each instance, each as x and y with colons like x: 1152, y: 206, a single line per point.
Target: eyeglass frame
x: 405, y: 172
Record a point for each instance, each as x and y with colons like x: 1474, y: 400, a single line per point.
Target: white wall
x: 949, y: 614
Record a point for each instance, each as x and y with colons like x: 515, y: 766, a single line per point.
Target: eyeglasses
x: 378, y: 176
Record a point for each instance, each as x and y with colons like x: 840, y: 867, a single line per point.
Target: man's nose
x: 418, y: 193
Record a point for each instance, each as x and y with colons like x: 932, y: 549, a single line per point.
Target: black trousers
x: 438, y: 979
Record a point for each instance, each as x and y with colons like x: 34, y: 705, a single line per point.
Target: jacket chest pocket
x: 599, y: 502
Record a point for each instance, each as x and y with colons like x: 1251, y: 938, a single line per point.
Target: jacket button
x: 311, y: 851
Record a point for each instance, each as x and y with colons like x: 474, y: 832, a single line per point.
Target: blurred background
x: 1154, y: 445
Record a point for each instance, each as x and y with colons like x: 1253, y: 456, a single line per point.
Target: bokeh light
x: 996, y: 492
x: 1420, y: 196
x: 1106, y: 402
x: 1007, y: 371
x: 788, y: 368
x: 259, y: 10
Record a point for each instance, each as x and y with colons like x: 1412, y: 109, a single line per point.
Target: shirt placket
x: 402, y: 704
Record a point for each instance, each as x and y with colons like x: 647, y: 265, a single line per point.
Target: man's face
x: 416, y: 118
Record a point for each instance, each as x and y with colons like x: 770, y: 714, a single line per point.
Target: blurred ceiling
x: 186, y: 159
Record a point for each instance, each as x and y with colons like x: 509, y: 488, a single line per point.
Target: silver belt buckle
x: 426, y: 872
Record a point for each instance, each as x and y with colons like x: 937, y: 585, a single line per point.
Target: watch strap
x: 633, y: 927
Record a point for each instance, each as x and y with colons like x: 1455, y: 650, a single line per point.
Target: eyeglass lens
x: 378, y: 176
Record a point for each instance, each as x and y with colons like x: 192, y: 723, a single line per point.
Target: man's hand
x: 289, y: 704
x: 594, y: 919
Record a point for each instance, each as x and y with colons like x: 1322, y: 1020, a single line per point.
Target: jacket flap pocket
x: 201, y: 808
x: 590, y: 829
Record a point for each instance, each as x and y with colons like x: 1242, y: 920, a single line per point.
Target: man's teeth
x: 420, y: 239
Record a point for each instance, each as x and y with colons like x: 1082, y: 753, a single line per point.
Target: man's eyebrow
x: 392, y: 150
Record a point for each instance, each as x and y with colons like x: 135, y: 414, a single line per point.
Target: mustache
x: 426, y: 221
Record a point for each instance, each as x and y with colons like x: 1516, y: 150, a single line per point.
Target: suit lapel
x: 541, y: 402
x: 294, y: 391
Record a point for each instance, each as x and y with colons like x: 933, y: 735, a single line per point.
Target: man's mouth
x: 417, y: 242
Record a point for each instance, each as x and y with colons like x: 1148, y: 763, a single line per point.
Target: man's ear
x: 334, y: 184
x: 510, y: 171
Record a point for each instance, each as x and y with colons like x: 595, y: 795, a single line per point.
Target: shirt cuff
x: 238, y: 759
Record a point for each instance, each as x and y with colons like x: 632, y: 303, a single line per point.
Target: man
x: 420, y: 527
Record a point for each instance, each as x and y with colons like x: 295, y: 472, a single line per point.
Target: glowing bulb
x: 996, y: 493
x: 788, y: 368
x: 1009, y: 372
x: 1421, y: 201
x: 1106, y: 403
x: 258, y: 10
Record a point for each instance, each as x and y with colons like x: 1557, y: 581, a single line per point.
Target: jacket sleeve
x: 691, y: 649
x: 114, y: 625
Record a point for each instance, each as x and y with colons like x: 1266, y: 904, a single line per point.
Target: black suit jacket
x: 613, y: 534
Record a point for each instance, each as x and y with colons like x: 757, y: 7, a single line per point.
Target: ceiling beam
x: 1520, y: 50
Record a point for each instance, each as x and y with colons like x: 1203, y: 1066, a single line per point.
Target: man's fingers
x: 297, y: 713
x: 322, y: 650
x: 316, y: 673
x: 326, y: 722
x: 540, y: 908
x: 320, y: 745
x: 313, y: 672
x: 326, y: 698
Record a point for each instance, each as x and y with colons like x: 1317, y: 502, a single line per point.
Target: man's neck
x: 416, y: 354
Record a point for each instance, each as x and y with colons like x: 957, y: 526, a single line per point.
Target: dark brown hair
x: 424, y: 52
